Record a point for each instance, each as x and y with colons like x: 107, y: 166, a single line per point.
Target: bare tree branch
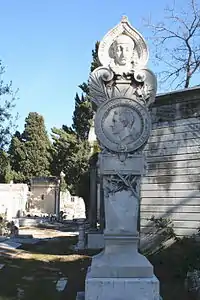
x: 177, y: 43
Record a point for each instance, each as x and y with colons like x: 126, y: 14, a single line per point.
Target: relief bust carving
x: 122, y: 124
x: 123, y: 49
x: 123, y: 52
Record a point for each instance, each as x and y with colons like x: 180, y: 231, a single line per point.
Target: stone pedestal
x: 121, y: 288
x: 95, y: 240
x: 120, y: 272
x: 120, y: 258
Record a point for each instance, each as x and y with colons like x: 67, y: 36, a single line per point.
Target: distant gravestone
x: 73, y: 207
x: 79, y: 208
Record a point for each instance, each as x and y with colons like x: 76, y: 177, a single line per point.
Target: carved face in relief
x: 123, y: 124
x: 123, y: 50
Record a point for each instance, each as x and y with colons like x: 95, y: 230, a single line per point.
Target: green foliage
x: 3, y: 225
x: 83, y: 113
x: 95, y: 61
x: 30, y: 152
x: 160, y: 230
x: 7, y: 103
x: 164, y: 224
x: 5, y: 170
x: 70, y: 155
x: 84, y: 87
x: 179, y: 258
x: 96, y: 148
x: 71, y: 150
x: 63, y: 185
x: 7, y: 99
x: 82, y: 117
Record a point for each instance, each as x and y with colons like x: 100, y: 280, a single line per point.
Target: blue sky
x: 46, y: 48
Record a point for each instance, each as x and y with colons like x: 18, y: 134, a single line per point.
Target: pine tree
x: 95, y: 60
x: 5, y: 169
x: 70, y: 156
x: 7, y: 103
x: 83, y: 112
x: 30, y: 152
x: 71, y: 151
x: 82, y: 117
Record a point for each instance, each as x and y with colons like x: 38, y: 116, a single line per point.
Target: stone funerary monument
x: 121, y: 91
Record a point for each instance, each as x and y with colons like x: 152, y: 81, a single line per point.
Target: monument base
x: 121, y: 288
x: 95, y: 240
x: 120, y: 259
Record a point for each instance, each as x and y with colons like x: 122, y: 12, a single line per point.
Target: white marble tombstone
x: 121, y: 91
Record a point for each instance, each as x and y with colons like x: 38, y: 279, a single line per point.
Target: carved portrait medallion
x: 123, y: 49
x: 122, y: 124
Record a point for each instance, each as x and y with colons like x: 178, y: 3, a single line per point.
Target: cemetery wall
x: 13, y: 199
x: 171, y: 187
x: 16, y: 199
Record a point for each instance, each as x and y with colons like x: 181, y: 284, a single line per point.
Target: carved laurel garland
x: 119, y: 182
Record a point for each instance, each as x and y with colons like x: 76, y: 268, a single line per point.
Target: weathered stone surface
x: 175, y: 111
x: 171, y: 194
x: 174, y: 201
x: 122, y: 124
x: 180, y: 164
x: 168, y: 178
x: 173, y: 186
x: 122, y: 288
x: 13, y: 199
x: 95, y: 241
x: 120, y: 259
x: 132, y: 45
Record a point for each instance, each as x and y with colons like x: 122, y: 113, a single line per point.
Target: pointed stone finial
x: 124, y: 19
